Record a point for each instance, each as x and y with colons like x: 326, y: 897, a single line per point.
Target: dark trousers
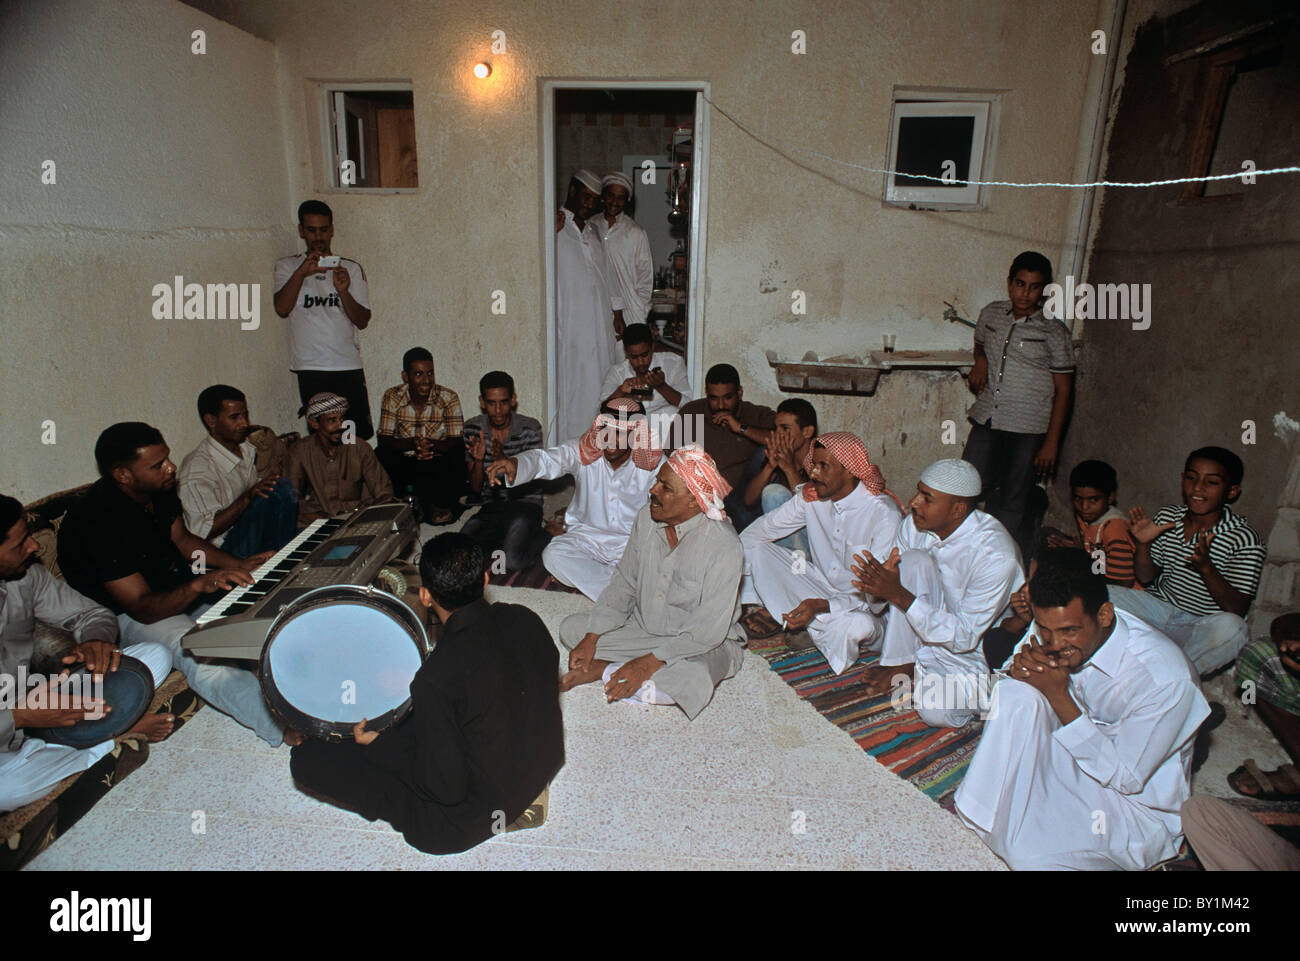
x: 1005, y: 461
x: 346, y: 383
x: 740, y: 515
x: 998, y: 645
x: 267, y: 524
x: 439, y: 482
x: 514, y: 527
x: 346, y: 776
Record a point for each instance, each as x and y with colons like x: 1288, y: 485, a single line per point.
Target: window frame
x: 984, y: 106
x: 333, y: 135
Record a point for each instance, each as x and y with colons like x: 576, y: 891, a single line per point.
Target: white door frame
x: 699, y: 207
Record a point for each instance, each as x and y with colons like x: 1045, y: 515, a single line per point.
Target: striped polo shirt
x: 1023, y: 355
x: 1236, y: 550
x: 525, y: 434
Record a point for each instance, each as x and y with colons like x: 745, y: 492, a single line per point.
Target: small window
x: 370, y: 136
x: 942, y: 138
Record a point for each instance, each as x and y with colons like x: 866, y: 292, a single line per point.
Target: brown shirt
x: 731, y: 452
x: 335, y: 485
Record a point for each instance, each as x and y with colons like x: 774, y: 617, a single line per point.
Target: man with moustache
x: 29, y: 766
x: 326, y: 308
x: 613, y: 466
x: 420, y: 443
x: 332, y: 477
x: 586, y: 306
x: 951, y: 572
x: 627, y: 251
x: 223, y: 498
x: 845, y: 507
x: 510, y: 519
x: 125, y: 545
x: 732, y: 431
x: 664, y: 630
x: 1086, y: 756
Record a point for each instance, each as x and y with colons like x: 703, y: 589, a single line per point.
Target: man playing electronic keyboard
x: 124, y: 544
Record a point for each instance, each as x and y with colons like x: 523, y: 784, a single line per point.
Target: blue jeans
x: 231, y: 690
x: 773, y: 496
x: 267, y: 524
x: 1210, y: 640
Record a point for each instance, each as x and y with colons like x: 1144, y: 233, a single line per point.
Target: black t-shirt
x: 106, y: 536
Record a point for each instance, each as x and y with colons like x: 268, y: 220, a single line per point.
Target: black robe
x: 483, y: 738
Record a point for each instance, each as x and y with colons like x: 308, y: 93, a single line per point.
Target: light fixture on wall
x: 482, y: 70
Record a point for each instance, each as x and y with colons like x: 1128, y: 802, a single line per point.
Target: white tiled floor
x: 643, y: 788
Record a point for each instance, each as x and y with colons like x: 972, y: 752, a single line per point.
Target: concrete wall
x: 1221, y: 349
x: 774, y: 225
x: 167, y: 163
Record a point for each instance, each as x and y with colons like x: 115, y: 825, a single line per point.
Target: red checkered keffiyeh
x: 700, y: 474
x: 849, y: 450
x: 606, y: 427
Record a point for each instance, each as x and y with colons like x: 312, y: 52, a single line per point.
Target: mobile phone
x: 330, y: 260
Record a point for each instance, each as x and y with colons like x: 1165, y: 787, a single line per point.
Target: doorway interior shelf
x: 857, y: 375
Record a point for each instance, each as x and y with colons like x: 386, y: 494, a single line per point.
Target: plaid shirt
x: 440, y: 419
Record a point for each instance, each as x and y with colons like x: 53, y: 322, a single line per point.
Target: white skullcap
x: 588, y: 180
x: 953, y: 476
x: 614, y: 177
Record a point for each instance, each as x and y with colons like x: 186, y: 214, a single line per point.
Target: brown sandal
x: 1280, y: 785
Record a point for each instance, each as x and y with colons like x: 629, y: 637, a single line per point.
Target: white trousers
x: 946, y: 685
x: 571, y: 561
x: 773, y: 581
x: 687, y: 682
x: 37, y: 766
x: 1024, y: 795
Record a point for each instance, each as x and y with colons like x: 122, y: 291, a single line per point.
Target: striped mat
x: 933, y: 759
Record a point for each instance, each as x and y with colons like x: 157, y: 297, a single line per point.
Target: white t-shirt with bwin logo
x: 320, y: 335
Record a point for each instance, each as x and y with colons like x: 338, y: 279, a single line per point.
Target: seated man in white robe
x: 845, y: 508
x: 1086, y: 756
x: 613, y: 465
x: 31, y: 766
x: 664, y: 630
x: 951, y: 572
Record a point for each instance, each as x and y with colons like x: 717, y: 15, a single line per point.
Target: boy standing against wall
x: 1023, y: 376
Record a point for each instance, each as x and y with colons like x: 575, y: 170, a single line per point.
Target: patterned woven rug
x: 933, y: 759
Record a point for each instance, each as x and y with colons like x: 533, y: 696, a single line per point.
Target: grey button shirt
x: 39, y: 596
x: 1023, y: 355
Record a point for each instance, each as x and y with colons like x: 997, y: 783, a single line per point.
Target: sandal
x: 799, y: 641
x: 758, y: 624
x: 1280, y: 785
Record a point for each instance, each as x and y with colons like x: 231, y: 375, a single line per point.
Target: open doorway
x: 654, y: 135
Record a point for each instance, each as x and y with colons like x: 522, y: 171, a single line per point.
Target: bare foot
x: 154, y: 727
x: 880, y: 679
x: 293, y: 738
x: 583, y: 675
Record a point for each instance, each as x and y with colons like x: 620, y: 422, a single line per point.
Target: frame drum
x: 338, y: 654
x: 128, y: 691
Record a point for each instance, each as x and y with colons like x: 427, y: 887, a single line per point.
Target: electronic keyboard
x: 341, y: 550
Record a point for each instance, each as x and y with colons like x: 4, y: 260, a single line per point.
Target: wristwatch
x: 743, y: 427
